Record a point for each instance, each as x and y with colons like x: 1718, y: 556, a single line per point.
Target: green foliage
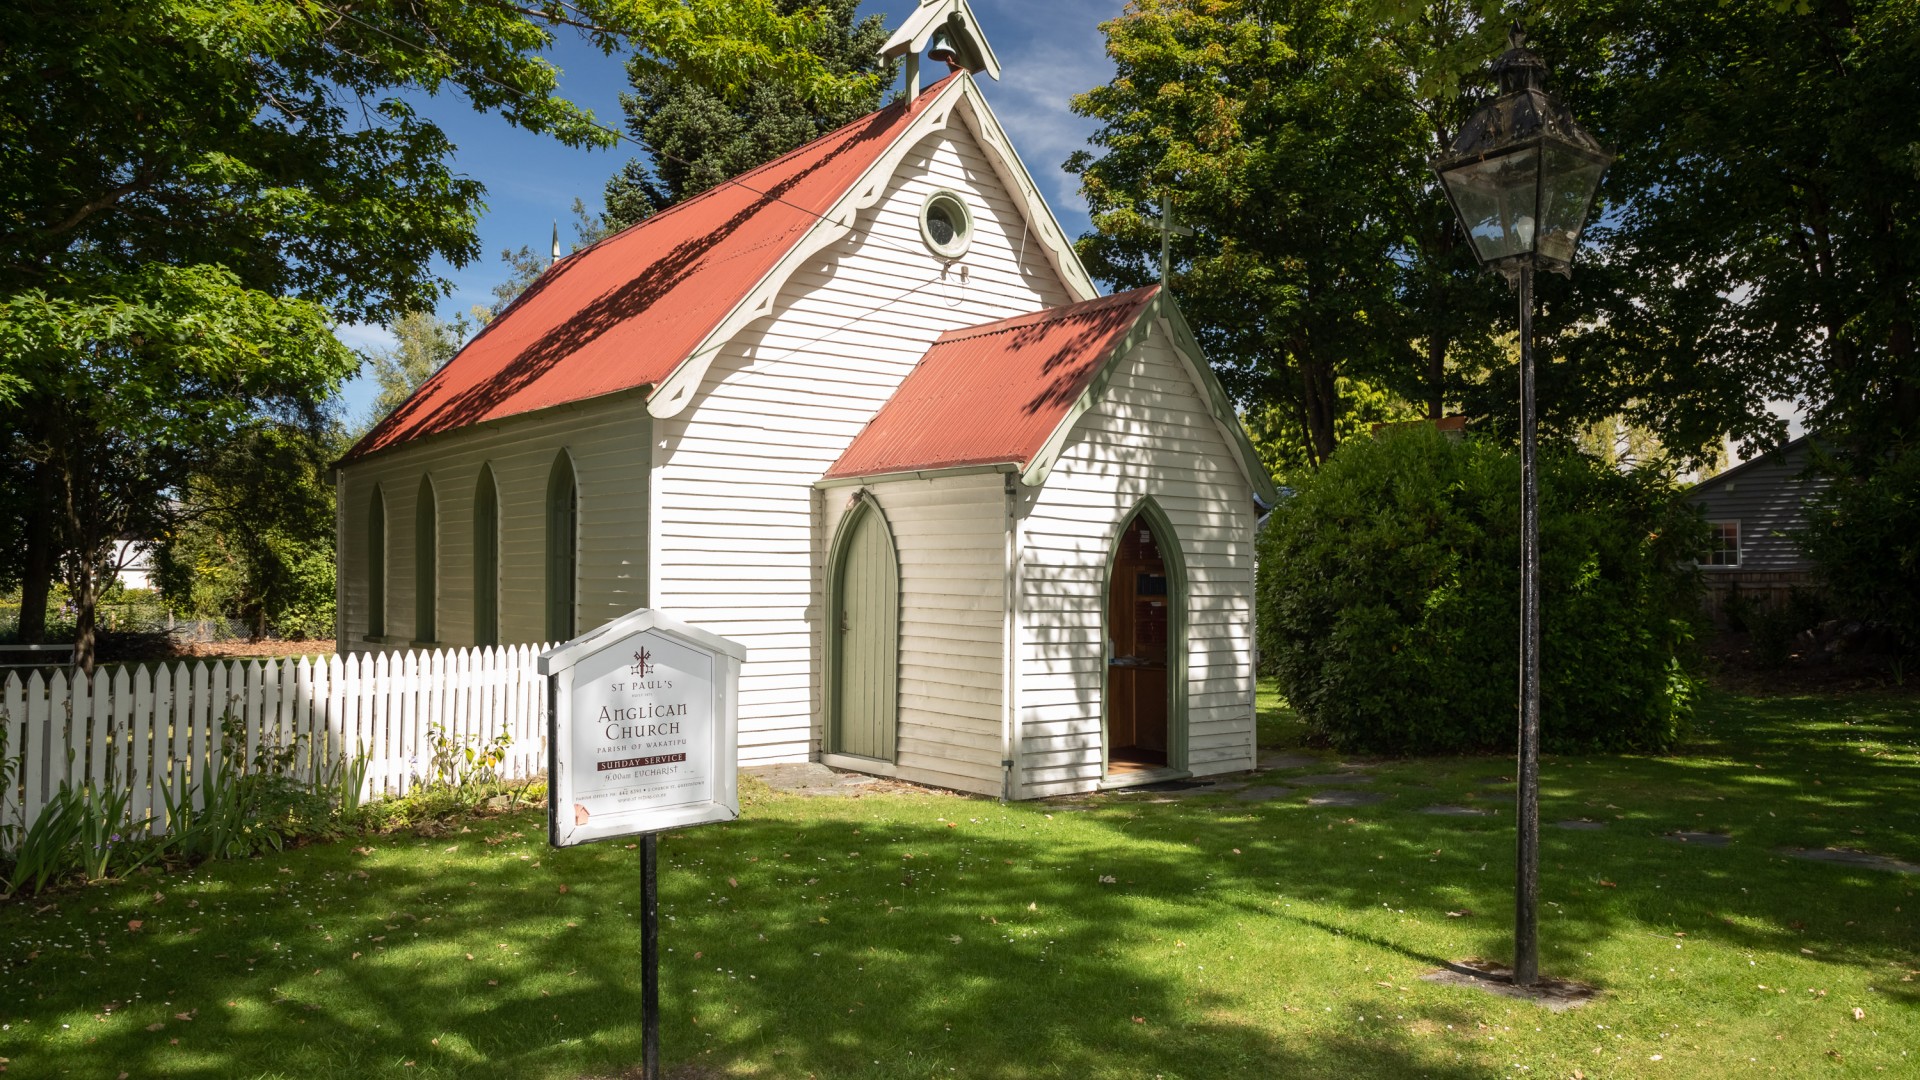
x: 422, y: 345
x: 245, y: 806
x: 86, y: 831
x: 254, y: 533
x: 1763, y: 234
x: 1282, y: 443
x: 1389, y: 599
x: 1863, y: 533
x: 1292, y: 137
x: 193, y: 191
x: 700, y: 137
x: 462, y: 761
x: 138, y: 384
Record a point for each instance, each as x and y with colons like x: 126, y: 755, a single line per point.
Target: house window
x: 426, y: 564
x: 563, y: 520
x: 486, y: 560
x: 946, y: 225
x: 377, y: 565
x: 1724, y: 547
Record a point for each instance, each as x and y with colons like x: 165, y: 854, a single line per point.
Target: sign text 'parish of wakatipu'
x: 643, y: 729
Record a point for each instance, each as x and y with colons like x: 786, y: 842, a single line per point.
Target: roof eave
x: 935, y: 473
x: 1220, y: 406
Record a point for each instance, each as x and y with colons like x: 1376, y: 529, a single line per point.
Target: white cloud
x: 364, y: 336
x: 1048, y: 53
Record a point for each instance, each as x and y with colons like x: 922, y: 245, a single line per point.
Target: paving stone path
x: 1263, y: 793
x: 1703, y: 839
x: 811, y: 778
x: 1345, y: 798
x: 1846, y: 857
x: 815, y: 779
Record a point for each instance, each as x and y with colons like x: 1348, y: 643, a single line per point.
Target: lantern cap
x: 1519, y: 68
x: 1523, y: 111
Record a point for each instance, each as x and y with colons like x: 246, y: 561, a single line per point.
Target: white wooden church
x: 862, y: 410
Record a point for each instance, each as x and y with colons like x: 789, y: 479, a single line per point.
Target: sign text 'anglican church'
x: 644, y: 729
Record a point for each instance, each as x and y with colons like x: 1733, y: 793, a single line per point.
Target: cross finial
x: 1168, y: 230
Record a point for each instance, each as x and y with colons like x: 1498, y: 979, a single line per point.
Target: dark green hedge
x: 1389, y: 599
x: 1864, y: 534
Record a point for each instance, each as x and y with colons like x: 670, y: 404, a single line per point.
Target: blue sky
x: 1049, y: 50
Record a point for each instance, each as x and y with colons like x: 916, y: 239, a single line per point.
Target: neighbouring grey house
x: 1755, y: 510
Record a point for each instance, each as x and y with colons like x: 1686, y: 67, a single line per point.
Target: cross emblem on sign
x: 642, y: 660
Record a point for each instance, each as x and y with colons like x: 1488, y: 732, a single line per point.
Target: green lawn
x: 936, y: 936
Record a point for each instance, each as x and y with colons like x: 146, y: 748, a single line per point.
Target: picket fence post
x: 155, y: 731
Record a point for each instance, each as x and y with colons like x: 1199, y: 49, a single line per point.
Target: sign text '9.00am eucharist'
x: 643, y: 729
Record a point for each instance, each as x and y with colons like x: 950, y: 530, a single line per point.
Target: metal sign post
x: 643, y: 735
x: 650, y: 956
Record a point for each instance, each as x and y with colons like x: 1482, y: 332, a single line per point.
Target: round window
x: 946, y: 225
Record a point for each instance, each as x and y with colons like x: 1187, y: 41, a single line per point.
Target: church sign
x: 643, y: 729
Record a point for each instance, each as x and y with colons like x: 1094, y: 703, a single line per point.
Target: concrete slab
x: 1263, y: 793
x: 1327, y: 779
x: 810, y: 778
x: 1345, y: 798
x: 1849, y: 857
x: 1456, y: 811
x: 1581, y: 825
x: 1701, y: 839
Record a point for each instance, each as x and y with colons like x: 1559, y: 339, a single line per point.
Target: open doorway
x: 1140, y: 626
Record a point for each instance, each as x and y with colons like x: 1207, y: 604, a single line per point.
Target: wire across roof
x: 625, y: 312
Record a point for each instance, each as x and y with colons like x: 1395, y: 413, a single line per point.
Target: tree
x: 133, y: 387
x: 697, y: 138
x: 252, y: 536
x: 422, y: 345
x: 1292, y: 137
x: 1763, y: 236
x: 191, y: 190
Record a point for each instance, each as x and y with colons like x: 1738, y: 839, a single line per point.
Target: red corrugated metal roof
x: 625, y: 312
x: 993, y: 394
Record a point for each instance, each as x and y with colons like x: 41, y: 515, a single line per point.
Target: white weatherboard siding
x: 735, y: 542
x: 608, y: 440
x: 1151, y: 434
x: 950, y: 535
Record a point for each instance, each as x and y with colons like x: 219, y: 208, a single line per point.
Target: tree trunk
x: 1436, y: 376
x: 81, y: 532
x: 1319, y: 400
x: 84, y: 581
x: 36, y: 579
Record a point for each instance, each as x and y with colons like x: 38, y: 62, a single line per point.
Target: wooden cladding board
x: 949, y: 533
x: 1151, y: 434
x: 1768, y: 497
x: 741, y: 548
x: 608, y: 443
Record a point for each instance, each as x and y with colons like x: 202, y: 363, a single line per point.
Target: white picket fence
x: 158, y: 728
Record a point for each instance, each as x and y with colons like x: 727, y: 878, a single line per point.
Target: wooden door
x: 1139, y: 622
x: 866, y: 626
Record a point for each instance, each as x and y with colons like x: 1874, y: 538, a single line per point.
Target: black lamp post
x: 1522, y: 176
